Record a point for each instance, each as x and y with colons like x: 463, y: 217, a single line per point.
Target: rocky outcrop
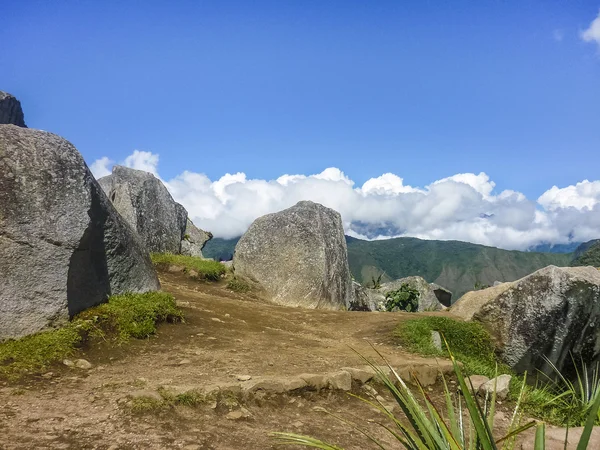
x: 432, y: 296
x: 10, y: 110
x: 145, y: 203
x: 298, y: 257
x: 63, y: 246
x: 473, y: 301
x: 194, y: 240
x: 365, y: 299
x: 552, y: 313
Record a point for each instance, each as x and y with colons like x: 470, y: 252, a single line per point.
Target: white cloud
x: 463, y: 206
x: 101, y: 167
x: 386, y: 184
x: 585, y: 194
x: 140, y: 160
x: 592, y: 33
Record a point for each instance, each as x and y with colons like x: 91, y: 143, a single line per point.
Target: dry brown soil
x: 224, y: 335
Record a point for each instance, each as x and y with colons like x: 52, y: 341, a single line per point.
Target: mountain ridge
x: 456, y: 265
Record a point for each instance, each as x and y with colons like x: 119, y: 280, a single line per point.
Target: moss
x: 205, y: 268
x: 121, y: 318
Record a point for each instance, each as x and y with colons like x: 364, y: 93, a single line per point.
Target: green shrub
x: 206, y: 269
x: 122, y: 317
x: 237, y: 285
x: 375, y: 282
x: 405, y: 298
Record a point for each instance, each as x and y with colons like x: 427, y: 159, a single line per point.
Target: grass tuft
x: 237, y: 285
x: 144, y: 405
x: 122, y: 317
x: 206, y: 269
x: 35, y: 353
x: 134, y: 315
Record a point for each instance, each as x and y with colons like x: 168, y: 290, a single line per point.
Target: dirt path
x: 225, y: 335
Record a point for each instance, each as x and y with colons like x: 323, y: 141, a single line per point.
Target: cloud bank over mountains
x: 463, y: 207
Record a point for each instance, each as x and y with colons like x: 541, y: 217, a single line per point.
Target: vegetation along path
x: 218, y: 381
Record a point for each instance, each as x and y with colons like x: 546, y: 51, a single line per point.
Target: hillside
x: 220, y: 249
x: 453, y: 264
x: 587, y: 254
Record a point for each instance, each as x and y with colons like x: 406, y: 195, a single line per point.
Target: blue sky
x: 422, y: 89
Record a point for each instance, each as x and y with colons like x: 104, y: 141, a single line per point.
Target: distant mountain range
x: 456, y: 265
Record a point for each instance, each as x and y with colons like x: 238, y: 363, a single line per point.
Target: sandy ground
x: 225, y: 335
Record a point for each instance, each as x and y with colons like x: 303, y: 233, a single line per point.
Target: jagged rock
x: 145, y: 203
x: 194, y: 240
x: 433, y: 297
x: 472, y: 301
x: 63, y: 246
x: 10, y: 110
x: 298, y: 257
x: 365, y: 299
x: 553, y: 313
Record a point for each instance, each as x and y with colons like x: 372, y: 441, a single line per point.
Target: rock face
x: 63, y: 246
x: 145, y: 203
x: 298, y: 256
x: 471, y: 302
x: 10, y: 110
x: 365, y: 299
x: 433, y: 297
x: 554, y: 312
x: 194, y: 240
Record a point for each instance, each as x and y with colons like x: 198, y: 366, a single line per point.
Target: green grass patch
x: 465, y: 339
x: 237, y: 285
x: 134, y: 315
x: 145, y: 405
x: 205, y: 269
x: 122, y: 317
x: 472, y: 345
x: 34, y: 353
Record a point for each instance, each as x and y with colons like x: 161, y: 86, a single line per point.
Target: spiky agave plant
x: 467, y: 425
x: 577, y: 395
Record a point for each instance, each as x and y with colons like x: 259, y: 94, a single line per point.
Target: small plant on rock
x: 404, y: 299
x: 237, y: 285
x: 375, y: 281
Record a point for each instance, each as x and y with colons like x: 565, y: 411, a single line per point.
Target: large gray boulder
x: 194, y: 240
x: 63, y: 246
x: 552, y: 313
x: 432, y: 296
x: 146, y: 204
x: 298, y: 257
x: 10, y: 110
